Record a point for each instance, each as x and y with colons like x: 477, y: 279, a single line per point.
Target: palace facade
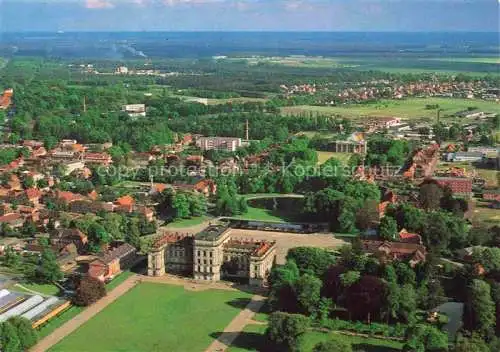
x: 212, y: 255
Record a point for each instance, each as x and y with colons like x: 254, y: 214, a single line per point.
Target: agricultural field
x: 412, y: 108
x: 415, y: 64
x: 158, y: 317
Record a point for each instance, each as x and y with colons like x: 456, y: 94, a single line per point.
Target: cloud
x: 99, y: 4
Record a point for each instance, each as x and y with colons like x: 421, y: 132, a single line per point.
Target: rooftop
x: 211, y: 233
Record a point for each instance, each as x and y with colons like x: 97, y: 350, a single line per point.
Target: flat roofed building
x: 219, y: 143
x: 135, y: 110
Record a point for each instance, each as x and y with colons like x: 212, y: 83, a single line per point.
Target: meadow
x: 412, y: 108
x: 158, y: 317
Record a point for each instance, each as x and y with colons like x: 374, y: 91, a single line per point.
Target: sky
x: 249, y: 15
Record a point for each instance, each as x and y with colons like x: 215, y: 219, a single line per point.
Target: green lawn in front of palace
x: 158, y: 317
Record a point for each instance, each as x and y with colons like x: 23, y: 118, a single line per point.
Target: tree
x: 282, y: 281
x: 347, y: 217
x: 9, y: 338
x: 430, y: 196
x: 408, y: 304
x: 480, y: 308
x: 425, y: 338
x: 29, y: 228
x: 472, y: 344
x: 11, y: 258
x: 181, y: 205
x: 48, y: 269
x: 89, y: 291
x: 367, y: 215
x: 27, y: 336
x: 308, y: 293
x: 285, y: 330
x: 350, y: 278
x: 334, y: 345
x: 388, y: 229
x: 488, y: 257
x: 311, y: 260
x: 332, y: 282
x: 133, y: 235
x: 406, y: 275
x: 366, y: 298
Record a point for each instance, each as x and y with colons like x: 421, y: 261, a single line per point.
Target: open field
x: 260, y: 214
x: 485, y: 215
x: 185, y: 223
x: 396, y: 64
x: 158, y: 317
x: 324, y: 156
x: 412, y: 108
x: 44, y: 289
x: 286, y: 241
x: 484, y: 60
x: 491, y: 176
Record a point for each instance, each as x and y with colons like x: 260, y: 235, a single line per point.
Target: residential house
x: 103, y: 159
x: 113, y: 262
x: 459, y: 186
x: 408, y: 237
x: 71, y: 236
x: 14, y: 220
x: 32, y: 195
x: 491, y: 194
x: 125, y: 204
x: 389, y: 251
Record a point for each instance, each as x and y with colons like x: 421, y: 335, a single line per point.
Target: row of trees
x: 17, y: 335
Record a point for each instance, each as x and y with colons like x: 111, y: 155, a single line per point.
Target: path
x: 237, y: 325
x: 66, y: 329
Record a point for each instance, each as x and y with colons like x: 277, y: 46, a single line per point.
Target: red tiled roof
x: 408, y: 237
x: 33, y: 193
x: 68, y: 197
x: 126, y: 200
x: 170, y: 237
x: 96, y: 271
x: 10, y: 217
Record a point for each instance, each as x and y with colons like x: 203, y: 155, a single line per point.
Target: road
x: 57, y: 335
x: 237, y: 325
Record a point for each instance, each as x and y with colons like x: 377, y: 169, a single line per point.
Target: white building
x: 121, y: 70
x: 135, y: 110
x: 229, y: 144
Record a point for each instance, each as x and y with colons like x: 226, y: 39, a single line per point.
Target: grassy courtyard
x: 413, y: 108
x: 158, y: 317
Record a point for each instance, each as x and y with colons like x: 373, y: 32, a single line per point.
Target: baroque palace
x: 212, y: 255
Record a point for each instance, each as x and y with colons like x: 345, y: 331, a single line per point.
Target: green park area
x: 252, y: 339
x: 414, y: 108
x: 158, y: 317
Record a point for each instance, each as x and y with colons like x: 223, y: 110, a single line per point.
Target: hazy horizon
x: 249, y: 15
